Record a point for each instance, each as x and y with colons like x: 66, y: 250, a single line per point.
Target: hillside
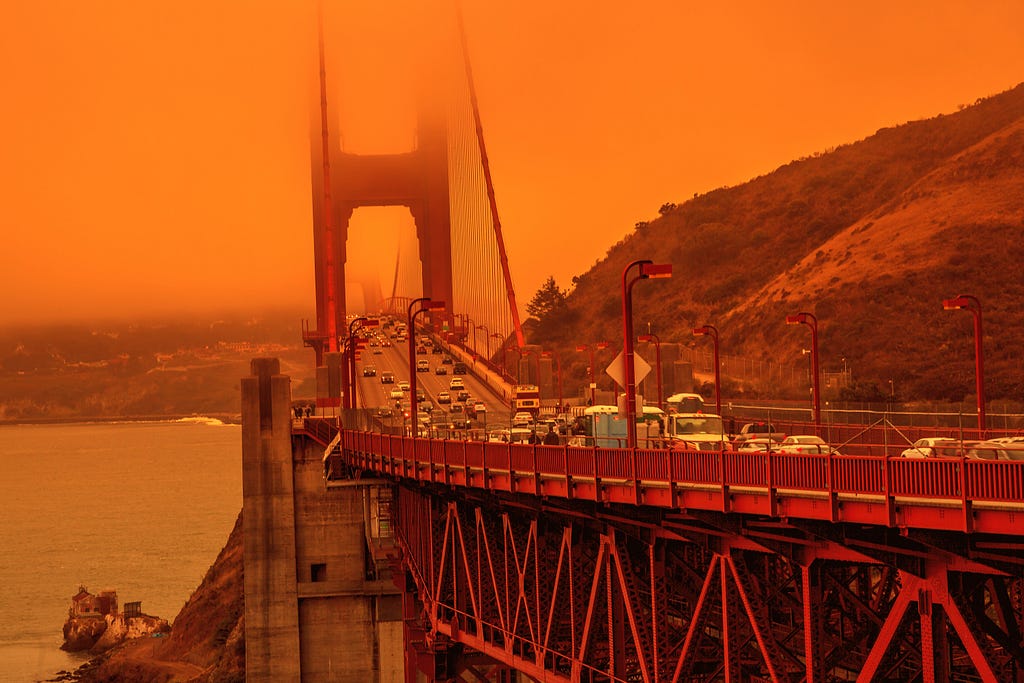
x: 870, y: 237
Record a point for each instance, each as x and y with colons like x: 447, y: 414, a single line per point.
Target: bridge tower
x: 343, y: 181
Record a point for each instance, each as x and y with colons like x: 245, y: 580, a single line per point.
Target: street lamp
x: 647, y: 269
x: 712, y: 331
x: 971, y: 303
x: 558, y: 369
x: 657, y: 352
x: 590, y: 369
x: 352, y: 345
x: 812, y: 322
x: 425, y: 304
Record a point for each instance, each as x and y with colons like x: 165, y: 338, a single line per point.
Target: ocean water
x: 140, y: 507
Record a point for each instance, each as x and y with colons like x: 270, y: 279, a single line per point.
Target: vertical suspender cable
x: 490, y: 185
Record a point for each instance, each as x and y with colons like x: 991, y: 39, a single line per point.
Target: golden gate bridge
x: 584, y: 563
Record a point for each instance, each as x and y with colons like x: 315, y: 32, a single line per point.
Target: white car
x: 522, y: 419
x: 397, y: 394
x: 805, y: 443
x: 934, y: 447
x: 456, y: 383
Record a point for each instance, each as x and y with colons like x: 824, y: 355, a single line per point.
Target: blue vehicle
x: 605, y: 428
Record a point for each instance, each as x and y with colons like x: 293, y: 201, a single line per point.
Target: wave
x: 201, y: 419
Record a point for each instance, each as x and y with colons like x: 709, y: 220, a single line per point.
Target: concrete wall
x: 314, y: 609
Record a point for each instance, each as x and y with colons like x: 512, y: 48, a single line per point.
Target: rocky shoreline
x: 205, y: 644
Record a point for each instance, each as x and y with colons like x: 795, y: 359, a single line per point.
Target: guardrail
x: 937, y: 493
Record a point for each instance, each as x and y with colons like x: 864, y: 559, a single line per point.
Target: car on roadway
x: 420, y: 350
x: 460, y: 420
x: 420, y: 395
x: 934, y: 447
x: 370, y: 371
x: 377, y: 351
x: 757, y: 444
x: 447, y: 360
x: 385, y: 411
x: 436, y: 349
x: 475, y: 409
x: 404, y: 385
x: 462, y: 395
x: 444, y: 397
x: 397, y: 394
x: 522, y: 419
x: 456, y: 383
x: 440, y: 370
x: 387, y: 377
x: 422, y: 365
x: 996, y: 449
x: 514, y: 435
x: 805, y: 443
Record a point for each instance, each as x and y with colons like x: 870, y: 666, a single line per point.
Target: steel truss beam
x: 582, y: 595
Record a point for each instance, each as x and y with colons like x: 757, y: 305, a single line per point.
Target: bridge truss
x: 582, y: 564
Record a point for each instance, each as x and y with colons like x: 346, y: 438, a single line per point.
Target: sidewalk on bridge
x: 481, y: 371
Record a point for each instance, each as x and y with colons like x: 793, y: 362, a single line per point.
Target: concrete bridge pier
x: 319, y: 603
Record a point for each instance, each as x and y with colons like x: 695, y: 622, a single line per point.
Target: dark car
x: 369, y: 371
x: 447, y: 360
x: 440, y: 370
x: 387, y: 377
x: 436, y: 349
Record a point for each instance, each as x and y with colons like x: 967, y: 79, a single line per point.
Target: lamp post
x: 971, y: 303
x: 657, y: 354
x: 647, y: 269
x: 558, y: 369
x: 590, y: 369
x: 811, y: 322
x: 352, y: 343
x: 424, y: 304
x: 712, y: 331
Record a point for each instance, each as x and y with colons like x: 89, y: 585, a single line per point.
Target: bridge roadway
x: 587, y: 564
x: 372, y: 394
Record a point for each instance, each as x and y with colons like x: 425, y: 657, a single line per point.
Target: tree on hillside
x: 548, y: 307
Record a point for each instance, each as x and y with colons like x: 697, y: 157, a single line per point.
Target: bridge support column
x: 319, y: 602
x: 268, y: 526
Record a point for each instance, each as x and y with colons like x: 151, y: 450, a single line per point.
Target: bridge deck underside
x: 566, y: 565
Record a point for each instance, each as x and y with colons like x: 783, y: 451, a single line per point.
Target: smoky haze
x: 156, y: 155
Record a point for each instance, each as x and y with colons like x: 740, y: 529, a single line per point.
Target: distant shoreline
x: 226, y: 418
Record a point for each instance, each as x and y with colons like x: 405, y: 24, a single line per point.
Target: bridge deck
x: 951, y: 494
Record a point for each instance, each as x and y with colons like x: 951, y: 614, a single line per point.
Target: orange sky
x: 154, y: 156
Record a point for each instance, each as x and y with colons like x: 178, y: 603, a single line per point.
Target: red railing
x: 939, y: 493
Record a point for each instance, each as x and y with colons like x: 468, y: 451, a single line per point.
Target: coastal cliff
x: 206, y: 643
